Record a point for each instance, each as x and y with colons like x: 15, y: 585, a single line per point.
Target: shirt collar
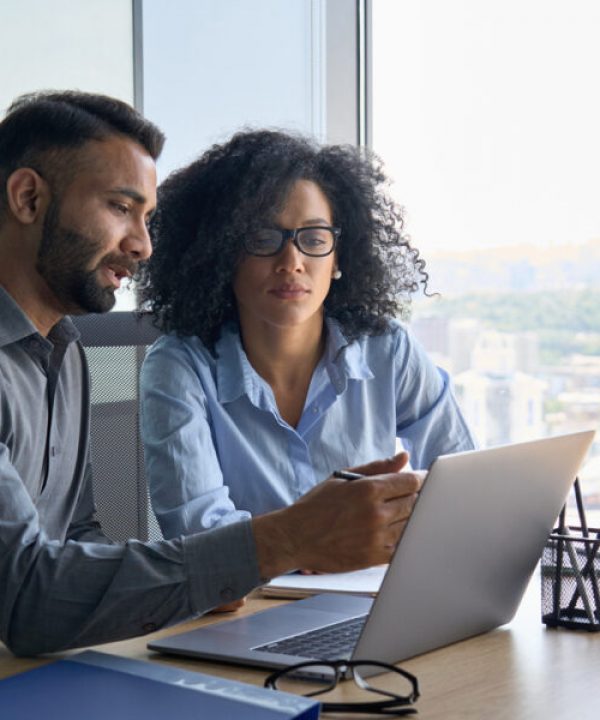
x: 344, y: 360
x: 16, y: 325
x: 236, y: 377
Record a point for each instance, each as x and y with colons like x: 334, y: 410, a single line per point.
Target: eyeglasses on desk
x: 330, y: 672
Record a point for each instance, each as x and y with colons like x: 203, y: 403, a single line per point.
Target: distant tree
x: 556, y: 317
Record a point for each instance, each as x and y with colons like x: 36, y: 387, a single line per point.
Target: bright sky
x: 487, y: 114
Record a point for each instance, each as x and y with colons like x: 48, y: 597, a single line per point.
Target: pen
x: 346, y: 475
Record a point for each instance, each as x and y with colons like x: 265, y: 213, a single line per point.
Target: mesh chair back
x: 115, y: 345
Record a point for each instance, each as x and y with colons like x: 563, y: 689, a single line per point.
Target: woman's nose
x: 290, y: 259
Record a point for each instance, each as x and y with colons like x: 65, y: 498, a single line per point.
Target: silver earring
x: 337, y: 275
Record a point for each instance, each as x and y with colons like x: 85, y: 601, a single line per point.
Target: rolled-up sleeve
x: 57, y: 595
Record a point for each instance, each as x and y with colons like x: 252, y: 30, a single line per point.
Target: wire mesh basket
x: 571, y: 574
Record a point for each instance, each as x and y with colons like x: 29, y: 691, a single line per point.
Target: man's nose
x: 138, y: 243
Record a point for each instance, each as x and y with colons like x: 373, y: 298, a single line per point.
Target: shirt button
x: 315, y: 409
x: 227, y: 594
x: 149, y: 627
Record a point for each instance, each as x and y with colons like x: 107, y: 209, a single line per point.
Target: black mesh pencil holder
x: 571, y: 574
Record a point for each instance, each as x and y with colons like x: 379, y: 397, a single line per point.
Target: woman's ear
x: 27, y: 194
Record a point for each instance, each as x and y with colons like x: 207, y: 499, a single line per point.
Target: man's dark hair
x: 40, y: 128
x: 205, y: 209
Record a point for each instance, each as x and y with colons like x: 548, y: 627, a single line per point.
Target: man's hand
x: 340, y: 525
x: 230, y: 607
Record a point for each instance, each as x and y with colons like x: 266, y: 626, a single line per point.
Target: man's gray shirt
x: 62, y: 582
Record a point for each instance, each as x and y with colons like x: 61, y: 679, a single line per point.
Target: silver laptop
x: 460, y: 569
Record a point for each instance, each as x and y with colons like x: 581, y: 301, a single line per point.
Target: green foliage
x: 566, y: 322
x: 552, y: 405
x: 573, y: 311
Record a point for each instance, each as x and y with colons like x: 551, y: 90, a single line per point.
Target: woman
x: 278, y: 270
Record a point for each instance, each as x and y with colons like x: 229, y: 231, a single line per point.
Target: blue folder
x: 98, y: 686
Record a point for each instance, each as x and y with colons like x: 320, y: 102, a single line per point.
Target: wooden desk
x: 519, y: 672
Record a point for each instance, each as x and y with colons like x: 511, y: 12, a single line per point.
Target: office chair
x: 115, y: 344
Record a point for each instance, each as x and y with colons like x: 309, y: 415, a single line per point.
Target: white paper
x: 295, y: 585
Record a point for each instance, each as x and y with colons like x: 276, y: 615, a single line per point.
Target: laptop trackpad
x: 269, y: 625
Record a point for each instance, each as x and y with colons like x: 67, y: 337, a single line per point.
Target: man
x: 78, y: 186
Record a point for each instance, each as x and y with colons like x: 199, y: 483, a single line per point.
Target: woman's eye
x: 266, y: 239
x: 313, y: 239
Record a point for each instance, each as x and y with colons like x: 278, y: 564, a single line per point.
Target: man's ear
x: 27, y: 194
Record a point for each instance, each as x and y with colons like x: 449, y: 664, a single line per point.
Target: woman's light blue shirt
x: 217, y: 449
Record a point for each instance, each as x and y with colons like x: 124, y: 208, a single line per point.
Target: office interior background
x: 484, y: 112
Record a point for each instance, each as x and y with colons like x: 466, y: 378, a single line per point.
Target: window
x: 487, y: 118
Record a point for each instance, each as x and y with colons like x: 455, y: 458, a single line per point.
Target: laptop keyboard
x: 333, y: 642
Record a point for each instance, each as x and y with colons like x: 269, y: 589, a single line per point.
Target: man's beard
x: 64, y: 260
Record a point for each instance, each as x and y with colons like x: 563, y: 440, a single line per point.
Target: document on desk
x: 295, y: 585
x: 96, y: 686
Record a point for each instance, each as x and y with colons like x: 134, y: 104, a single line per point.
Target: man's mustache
x: 122, y: 262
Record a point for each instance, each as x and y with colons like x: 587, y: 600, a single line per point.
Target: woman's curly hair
x: 205, y: 209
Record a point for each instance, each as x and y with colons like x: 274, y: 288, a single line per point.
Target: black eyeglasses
x: 330, y: 672
x: 315, y: 241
